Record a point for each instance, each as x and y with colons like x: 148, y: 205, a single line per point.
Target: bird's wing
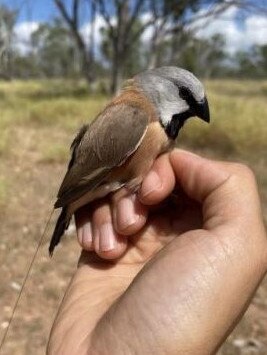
x: 106, y: 143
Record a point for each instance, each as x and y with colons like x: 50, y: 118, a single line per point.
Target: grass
x: 238, y: 126
x: 39, y: 104
x: 238, y: 110
x: 3, y: 191
x: 55, y: 153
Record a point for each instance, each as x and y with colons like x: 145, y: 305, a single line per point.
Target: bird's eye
x: 184, y: 93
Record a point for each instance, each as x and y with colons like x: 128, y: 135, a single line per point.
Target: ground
x: 38, y: 121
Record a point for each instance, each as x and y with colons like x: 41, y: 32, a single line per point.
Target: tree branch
x: 64, y: 12
x: 136, y: 10
x: 214, y: 11
x: 75, y: 6
x: 105, y: 15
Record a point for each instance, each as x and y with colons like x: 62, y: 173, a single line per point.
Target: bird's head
x: 177, y: 95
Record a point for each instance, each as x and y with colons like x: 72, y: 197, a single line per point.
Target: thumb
x: 227, y: 191
x: 198, y: 176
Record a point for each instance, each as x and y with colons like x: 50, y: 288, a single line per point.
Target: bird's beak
x: 203, y: 110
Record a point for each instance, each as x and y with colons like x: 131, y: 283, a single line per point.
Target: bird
x: 118, y: 148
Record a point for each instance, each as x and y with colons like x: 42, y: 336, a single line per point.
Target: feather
x: 61, y: 226
x: 106, y: 143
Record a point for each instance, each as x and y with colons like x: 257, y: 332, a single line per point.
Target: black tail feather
x: 61, y: 226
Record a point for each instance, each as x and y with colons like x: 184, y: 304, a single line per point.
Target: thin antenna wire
x: 24, y: 281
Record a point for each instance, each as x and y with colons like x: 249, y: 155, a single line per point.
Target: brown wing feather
x: 75, y: 144
x: 109, y: 140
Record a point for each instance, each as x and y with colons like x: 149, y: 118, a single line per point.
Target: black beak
x: 203, y: 111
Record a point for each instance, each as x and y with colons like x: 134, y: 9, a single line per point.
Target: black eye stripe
x: 187, y: 95
x: 184, y: 93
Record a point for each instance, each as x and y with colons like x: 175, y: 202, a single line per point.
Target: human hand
x: 185, y: 279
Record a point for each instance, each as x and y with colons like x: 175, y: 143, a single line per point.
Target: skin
x: 180, y: 284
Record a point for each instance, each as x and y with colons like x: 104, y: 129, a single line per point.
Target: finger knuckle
x: 243, y: 171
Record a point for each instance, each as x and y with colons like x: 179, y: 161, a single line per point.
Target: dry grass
x: 3, y: 191
x: 37, y: 123
x: 239, y: 112
x: 56, y: 105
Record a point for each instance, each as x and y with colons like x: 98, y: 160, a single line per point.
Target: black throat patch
x: 177, y: 123
x: 179, y: 119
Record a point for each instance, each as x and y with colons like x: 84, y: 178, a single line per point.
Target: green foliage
x: 252, y: 63
x: 55, y: 50
x: 205, y: 58
x: 133, y: 62
x: 179, y: 9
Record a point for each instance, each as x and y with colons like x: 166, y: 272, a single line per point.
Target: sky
x: 239, y: 32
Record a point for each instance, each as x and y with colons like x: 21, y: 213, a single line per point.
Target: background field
x: 37, y: 123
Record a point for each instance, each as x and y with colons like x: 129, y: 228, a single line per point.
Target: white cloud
x: 22, y: 32
x: 256, y: 29
x: 253, y: 31
x: 147, y: 34
x: 87, y: 28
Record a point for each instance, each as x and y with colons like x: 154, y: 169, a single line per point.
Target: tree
x: 127, y: 20
x: 54, y: 52
x: 164, y: 18
x: 7, y: 22
x: 72, y: 20
x: 205, y: 57
x: 123, y: 33
x: 134, y: 61
x: 263, y: 59
x: 252, y: 63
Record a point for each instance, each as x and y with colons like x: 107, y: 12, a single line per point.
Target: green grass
x: 238, y: 116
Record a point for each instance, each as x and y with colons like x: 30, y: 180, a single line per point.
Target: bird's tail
x: 61, y: 226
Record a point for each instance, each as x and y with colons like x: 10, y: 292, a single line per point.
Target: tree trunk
x: 119, y: 47
x: 116, y: 74
x: 152, y: 60
x: 86, y: 62
x: 73, y: 24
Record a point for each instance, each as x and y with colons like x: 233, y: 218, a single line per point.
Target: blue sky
x: 39, y: 10
x: 240, y: 32
x: 32, y: 10
x: 45, y: 10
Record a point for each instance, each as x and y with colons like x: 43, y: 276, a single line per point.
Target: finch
x: 118, y: 148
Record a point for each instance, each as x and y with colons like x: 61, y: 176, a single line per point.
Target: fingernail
x: 126, y: 214
x: 151, y: 183
x: 87, y: 237
x: 107, y: 237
